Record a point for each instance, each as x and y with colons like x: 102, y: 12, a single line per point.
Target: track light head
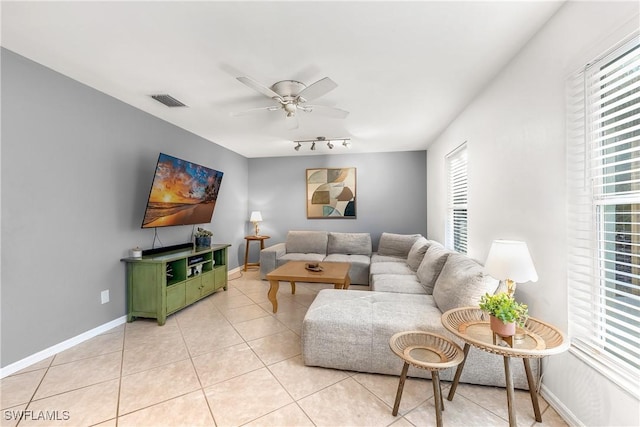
x: 346, y: 143
x: 297, y: 147
x: 330, y: 145
x: 313, y: 146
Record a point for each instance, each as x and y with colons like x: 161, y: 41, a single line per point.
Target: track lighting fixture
x: 346, y: 142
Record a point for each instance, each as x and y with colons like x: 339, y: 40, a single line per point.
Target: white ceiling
x: 404, y: 69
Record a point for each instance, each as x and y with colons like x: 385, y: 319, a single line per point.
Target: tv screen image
x: 182, y: 193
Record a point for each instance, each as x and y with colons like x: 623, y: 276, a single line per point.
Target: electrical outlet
x: 104, y: 296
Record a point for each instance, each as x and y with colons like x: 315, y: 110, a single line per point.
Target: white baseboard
x: 65, y: 345
x: 559, y: 407
x: 55, y: 349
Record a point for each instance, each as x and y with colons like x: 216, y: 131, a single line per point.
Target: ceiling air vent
x: 168, y: 100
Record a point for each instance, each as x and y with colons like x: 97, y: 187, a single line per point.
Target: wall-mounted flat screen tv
x: 182, y: 193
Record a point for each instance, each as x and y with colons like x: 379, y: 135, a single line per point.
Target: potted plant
x: 203, y: 238
x: 505, y: 313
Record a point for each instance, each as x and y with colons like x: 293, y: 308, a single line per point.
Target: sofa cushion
x: 307, y: 242
x: 375, y: 257
x: 396, y: 244
x: 299, y: 257
x: 400, y: 283
x: 349, y: 243
x: 390, y: 268
x: 416, y: 253
x: 359, y: 269
x: 431, y: 266
x: 461, y: 283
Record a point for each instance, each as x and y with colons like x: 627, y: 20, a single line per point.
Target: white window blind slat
x: 603, y: 182
x: 456, y: 233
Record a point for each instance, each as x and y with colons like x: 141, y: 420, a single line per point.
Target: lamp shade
x: 510, y: 259
x: 256, y: 216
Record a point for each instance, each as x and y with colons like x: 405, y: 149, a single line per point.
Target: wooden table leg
x: 293, y: 288
x: 509, y: 382
x: 246, y: 256
x: 456, y: 378
x: 437, y: 397
x: 273, y: 294
x: 403, y: 377
x: 532, y: 390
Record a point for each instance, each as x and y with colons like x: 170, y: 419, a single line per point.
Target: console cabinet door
x: 175, y: 297
x: 194, y: 289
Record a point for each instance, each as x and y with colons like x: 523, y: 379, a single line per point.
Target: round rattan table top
x: 425, y: 350
x: 536, y: 339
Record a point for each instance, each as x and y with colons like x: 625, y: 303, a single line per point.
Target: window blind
x: 457, y: 199
x: 604, y: 213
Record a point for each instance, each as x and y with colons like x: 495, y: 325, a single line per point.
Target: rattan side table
x: 425, y: 350
x: 538, y: 339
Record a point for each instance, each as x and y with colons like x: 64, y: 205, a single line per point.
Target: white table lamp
x: 509, y: 260
x: 256, y: 217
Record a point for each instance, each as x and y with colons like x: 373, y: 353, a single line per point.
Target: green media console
x: 163, y: 283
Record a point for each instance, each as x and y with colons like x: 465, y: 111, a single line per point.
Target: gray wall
x: 391, y: 193
x: 77, y: 166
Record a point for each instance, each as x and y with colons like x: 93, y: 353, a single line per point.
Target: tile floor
x: 229, y: 361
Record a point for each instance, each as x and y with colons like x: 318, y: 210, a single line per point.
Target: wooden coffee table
x: 336, y: 273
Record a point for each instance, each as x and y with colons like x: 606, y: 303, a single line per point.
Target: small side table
x: 249, y: 239
x: 428, y: 351
x: 539, y: 339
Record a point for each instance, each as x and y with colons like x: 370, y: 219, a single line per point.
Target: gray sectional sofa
x: 312, y: 246
x: 412, y: 282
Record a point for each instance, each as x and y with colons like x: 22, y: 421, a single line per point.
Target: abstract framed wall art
x: 331, y: 193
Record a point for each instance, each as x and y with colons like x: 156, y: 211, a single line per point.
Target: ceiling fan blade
x: 332, y: 112
x: 253, y: 110
x: 317, y: 89
x: 259, y: 87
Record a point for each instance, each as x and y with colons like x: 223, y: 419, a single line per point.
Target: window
x: 604, y: 235
x: 456, y: 233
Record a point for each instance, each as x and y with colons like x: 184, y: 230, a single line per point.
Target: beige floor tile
x: 227, y: 363
x: 19, y: 388
x: 276, y: 348
x: 190, y: 410
x: 145, y: 333
x: 82, y: 407
x: 11, y: 416
x: 157, y: 385
x: 385, y: 387
x: 550, y: 418
x: 495, y: 400
x: 101, y: 344
x: 109, y: 423
x: 292, y: 319
x: 36, y: 366
x: 300, y: 380
x: 242, y: 314
x: 260, y: 327
x: 215, y: 337
x: 290, y: 415
x: 230, y: 300
x: 350, y: 403
x: 246, y: 398
x: 143, y: 358
x: 401, y: 422
x: 459, y: 412
x: 78, y: 374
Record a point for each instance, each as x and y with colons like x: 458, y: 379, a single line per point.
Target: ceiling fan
x: 292, y: 95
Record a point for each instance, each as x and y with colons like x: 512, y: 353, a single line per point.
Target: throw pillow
x: 416, y: 253
x: 461, y: 283
x: 349, y: 243
x: 431, y: 266
x: 397, y: 245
